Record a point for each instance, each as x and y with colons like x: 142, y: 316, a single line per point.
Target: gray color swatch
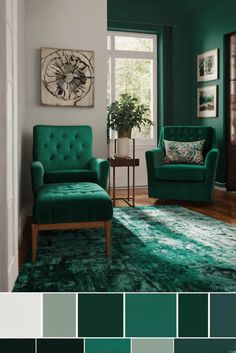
x: 153, y: 346
x: 59, y: 315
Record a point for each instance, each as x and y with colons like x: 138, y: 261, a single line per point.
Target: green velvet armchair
x: 64, y: 154
x: 192, y: 182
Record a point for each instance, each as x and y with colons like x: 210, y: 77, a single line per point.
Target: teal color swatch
x: 100, y: 315
x: 60, y: 346
x: 205, y: 346
x: 152, y: 346
x: 107, y: 346
x: 223, y: 315
x: 17, y: 345
x: 59, y: 315
x: 193, y: 315
x: 150, y: 315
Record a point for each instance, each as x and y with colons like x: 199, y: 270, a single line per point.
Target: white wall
x: 21, y: 108
x: 71, y: 24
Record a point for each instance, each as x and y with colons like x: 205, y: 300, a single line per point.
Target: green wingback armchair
x: 191, y: 182
x: 64, y: 154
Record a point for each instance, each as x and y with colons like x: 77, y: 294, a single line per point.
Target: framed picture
x: 207, y: 102
x: 207, y: 66
x: 67, y: 77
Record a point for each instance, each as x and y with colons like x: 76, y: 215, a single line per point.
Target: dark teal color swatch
x: 59, y: 346
x: 223, y: 315
x: 150, y: 315
x: 100, y: 315
x: 193, y: 315
x: 107, y: 346
x: 204, y: 346
x: 17, y: 345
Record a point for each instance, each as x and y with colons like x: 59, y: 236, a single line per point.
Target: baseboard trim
x: 220, y: 186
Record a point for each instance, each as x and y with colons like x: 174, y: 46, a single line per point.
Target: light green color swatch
x: 152, y: 346
x: 59, y: 315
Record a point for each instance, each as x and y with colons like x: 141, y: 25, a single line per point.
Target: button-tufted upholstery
x: 64, y: 154
x: 72, y: 202
x: 178, y: 181
x: 188, y: 134
x: 62, y: 147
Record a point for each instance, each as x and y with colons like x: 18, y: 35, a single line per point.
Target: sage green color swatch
x: 100, y: 315
x: 107, y: 346
x: 193, y: 315
x: 204, y: 346
x: 60, y: 346
x: 59, y: 315
x: 17, y: 345
x: 223, y: 315
x: 152, y: 346
x: 150, y: 315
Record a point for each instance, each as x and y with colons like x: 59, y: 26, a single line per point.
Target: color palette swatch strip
x: 118, y: 322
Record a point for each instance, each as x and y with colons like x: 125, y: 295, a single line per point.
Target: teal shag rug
x: 163, y: 249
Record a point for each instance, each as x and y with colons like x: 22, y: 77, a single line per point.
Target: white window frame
x: 114, y: 54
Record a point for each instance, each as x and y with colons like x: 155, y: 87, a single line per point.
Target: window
x: 132, y: 70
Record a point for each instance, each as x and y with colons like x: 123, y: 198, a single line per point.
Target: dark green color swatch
x: 150, y: 315
x: 59, y: 346
x: 223, y: 315
x: 59, y: 315
x: 17, y: 345
x: 100, y: 315
x: 107, y: 346
x: 193, y: 315
x: 204, y: 346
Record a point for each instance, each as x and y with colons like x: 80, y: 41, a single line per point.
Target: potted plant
x: 122, y: 116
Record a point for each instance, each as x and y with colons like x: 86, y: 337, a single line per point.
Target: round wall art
x: 67, y: 77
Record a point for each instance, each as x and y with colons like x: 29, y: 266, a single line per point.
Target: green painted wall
x: 208, y: 28
x: 193, y: 33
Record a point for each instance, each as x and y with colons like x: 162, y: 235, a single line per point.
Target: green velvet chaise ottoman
x: 71, y: 206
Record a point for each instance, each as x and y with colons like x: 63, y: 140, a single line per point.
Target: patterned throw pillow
x: 184, y: 152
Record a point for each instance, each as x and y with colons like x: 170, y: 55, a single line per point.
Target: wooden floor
x: 222, y: 208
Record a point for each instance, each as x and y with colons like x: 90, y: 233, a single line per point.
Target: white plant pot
x: 123, y: 147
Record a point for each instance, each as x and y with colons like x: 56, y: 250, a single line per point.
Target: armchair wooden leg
x: 35, y: 233
x: 108, y: 238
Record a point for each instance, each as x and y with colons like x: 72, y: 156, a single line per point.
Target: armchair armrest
x: 37, y: 174
x: 155, y: 157
x: 211, y: 164
x: 101, y: 167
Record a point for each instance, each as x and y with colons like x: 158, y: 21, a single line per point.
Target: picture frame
x: 67, y: 77
x: 207, y: 102
x: 207, y: 66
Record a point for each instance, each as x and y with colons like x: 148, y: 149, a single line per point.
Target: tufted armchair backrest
x: 188, y: 134
x: 62, y: 147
